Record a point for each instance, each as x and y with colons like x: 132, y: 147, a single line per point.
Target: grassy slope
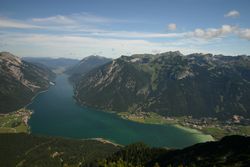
x: 14, y: 122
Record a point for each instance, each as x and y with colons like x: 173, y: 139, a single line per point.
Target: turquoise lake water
x: 57, y: 114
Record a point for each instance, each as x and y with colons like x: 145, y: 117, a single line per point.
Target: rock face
x: 86, y: 65
x: 20, y: 81
x: 170, y: 84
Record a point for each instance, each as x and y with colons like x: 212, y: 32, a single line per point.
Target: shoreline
x: 31, y: 111
x: 31, y: 100
x: 199, y: 135
x: 105, y: 141
x: 40, y: 92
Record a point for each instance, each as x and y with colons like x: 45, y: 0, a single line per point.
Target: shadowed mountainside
x: 85, y: 65
x: 170, y: 84
x: 20, y: 81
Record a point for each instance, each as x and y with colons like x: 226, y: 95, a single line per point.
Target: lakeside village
x: 15, y: 122
x: 208, y: 125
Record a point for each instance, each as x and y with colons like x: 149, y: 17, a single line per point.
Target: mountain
x: 20, y: 81
x: 170, y: 84
x: 229, y: 151
x: 86, y: 65
x: 61, y: 64
x: 28, y: 150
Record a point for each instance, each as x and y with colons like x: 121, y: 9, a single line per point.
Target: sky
x: 111, y: 28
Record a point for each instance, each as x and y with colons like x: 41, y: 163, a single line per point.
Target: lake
x: 57, y: 114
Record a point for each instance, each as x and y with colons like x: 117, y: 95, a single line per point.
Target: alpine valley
x: 203, y: 89
x: 94, y: 83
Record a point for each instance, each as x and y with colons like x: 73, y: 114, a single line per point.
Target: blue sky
x: 78, y: 28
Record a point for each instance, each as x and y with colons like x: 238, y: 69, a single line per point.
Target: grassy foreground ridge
x: 29, y: 151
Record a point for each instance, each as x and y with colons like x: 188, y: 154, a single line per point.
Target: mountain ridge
x: 85, y: 65
x: 170, y: 84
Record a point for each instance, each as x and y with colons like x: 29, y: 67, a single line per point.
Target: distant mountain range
x: 52, y: 63
x: 20, y: 81
x: 85, y: 65
x: 171, y: 84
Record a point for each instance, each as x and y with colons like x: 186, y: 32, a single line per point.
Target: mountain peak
x: 10, y: 58
x: 93, y: 57
x: 87, y: 64
x: 172, y: 53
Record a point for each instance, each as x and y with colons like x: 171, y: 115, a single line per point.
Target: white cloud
x: 79, y: 34
x: 233, y: 14
x: 87, y: 17
x: 77, y: 21
x: 10, y: 23
x: 62, y: 45
x: 58, y: 19
x: 128, y: 34
x: 244, y: 33
x: 74, y: 25
x: 77, y: 18
x: 77, y: 24
x: 172, y: 26
x: 211, y: 33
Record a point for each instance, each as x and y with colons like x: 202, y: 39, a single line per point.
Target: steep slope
x: 20, y: 81
x: 28, y: 150
x: 170, y: 84
x: 86, y: 65
x: 113, y: 86
x: 229, y: 151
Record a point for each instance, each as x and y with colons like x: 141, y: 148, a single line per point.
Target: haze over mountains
x: 61, y: 64
x: 170, y: 84
x: 85, y: 65
x: 22, y: 79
